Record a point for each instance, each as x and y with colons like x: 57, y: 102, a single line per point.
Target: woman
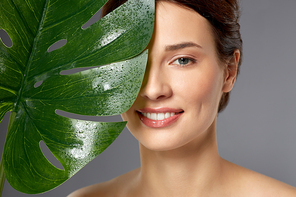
x: 194, y: 58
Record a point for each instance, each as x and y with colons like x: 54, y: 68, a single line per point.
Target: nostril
x: 156, y: 91
x: 161, y: 97
x: 155, y: 95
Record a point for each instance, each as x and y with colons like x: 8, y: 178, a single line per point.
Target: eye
x: 183, y: 61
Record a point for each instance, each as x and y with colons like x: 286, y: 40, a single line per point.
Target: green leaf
x: 33, y: 88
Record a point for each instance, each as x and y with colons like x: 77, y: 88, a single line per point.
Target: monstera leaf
x: 33, y: 88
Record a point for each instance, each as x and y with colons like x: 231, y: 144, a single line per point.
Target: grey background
x: 258, y: 128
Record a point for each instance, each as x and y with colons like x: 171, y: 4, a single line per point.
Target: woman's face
x: 183, y: 83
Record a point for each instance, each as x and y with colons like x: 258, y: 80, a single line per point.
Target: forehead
x: 176, y: 24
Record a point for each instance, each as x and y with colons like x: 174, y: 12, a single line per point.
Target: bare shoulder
x: 118, y: 186
x: 252, y: 183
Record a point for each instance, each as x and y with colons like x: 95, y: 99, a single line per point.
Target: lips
x: 158, y: 118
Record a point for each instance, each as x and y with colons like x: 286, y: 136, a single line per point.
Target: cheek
x: 128, y: 116
x: 201, y: 87
x: 131, y: 117
x: 124, y: 116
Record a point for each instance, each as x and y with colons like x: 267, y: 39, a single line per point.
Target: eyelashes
x: 184, y: 61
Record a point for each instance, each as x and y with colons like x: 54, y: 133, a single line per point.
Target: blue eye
x: 183, y: 61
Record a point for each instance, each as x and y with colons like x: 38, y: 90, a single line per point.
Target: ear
x: 231, y: 71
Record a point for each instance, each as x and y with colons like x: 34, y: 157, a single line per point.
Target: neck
x: 186, y: 171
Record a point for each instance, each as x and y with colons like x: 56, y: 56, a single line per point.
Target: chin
x: 159, y: 147
x: 164, y: 141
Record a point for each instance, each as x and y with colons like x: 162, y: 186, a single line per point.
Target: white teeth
x: 167, y: 115
x: 158, y: 116
x: 153, y: 116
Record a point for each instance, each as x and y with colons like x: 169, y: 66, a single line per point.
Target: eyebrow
x: 181, y: 46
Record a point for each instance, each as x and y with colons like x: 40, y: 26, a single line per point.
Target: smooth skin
x: 181, y: 159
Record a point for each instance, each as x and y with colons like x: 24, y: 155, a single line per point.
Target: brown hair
x: 223, y: 16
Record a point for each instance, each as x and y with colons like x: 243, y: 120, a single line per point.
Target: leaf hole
x: 49, y: 156
x: 5, y: 38
x: 93, y: 19
x: 57, y: 45
x: 75, y: 70
x: 37, y: 84
x: 116, y: 118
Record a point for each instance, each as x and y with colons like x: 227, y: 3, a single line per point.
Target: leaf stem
x: 2, y: 175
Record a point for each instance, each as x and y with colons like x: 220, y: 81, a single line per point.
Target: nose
x: 156, y: 84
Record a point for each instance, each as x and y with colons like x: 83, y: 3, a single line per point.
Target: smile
x: 159, y: 118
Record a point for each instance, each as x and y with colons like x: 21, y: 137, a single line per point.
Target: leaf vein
x: 12, y: 59
x: 22, y: 17
x: 8, y: 90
